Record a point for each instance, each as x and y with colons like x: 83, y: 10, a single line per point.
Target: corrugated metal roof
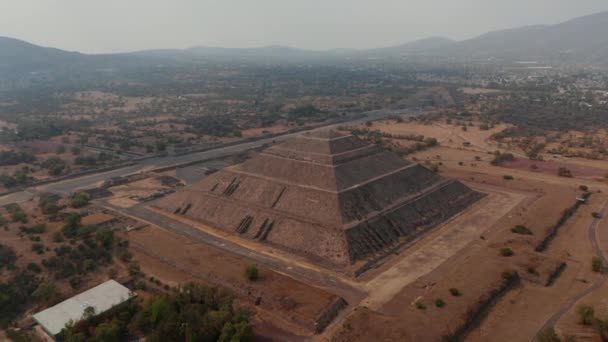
x: 102, y: 297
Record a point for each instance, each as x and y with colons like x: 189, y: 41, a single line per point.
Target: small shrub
x: 586, y: 314
x: 596, y: 264
x: 506, y: 252
x: 125, y: 256
x: 34, y: 267
x: 583, y: 187
x: 596, y: 215
x: 532, y: 270
x: 79, y: 200
x: 112, y: 273
x: 501, y: 158
x: 520, y: 229
x: 455, y: 292
x: 75, y: 282
x: 507, y: 275
x: 252, y: 273
x: 38, y: 248
x: 564, y: 172
x: 507, y: 177
x: 548, y: 335
x: 420, y: 305
x: 17, y: 336
x: 58, y: 237
x: 439, y: 303
x: 133, y: 269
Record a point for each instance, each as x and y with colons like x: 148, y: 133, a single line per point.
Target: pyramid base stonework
x: 331, y: 198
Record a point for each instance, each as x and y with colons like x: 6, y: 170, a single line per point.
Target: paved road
x: 320, y: 278
x: 69, y: 186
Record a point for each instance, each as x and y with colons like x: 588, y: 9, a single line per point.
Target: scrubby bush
x: 7, y: 256
x: 455, y: 292
x: 79, y: 200
x: 506, y: 252
x: 439, y: 303
x: 17, y: 214
x: 507, y: 177
x: 583, y: 188
x: 564, y: 172
x: 596, y: 264
x: 586, y: 314
x: 133, y: 269
x: 520, y: 229
x: 548, y: 335
x: 38, y: 248
x: 252, y: 273
x: 33, y: 267
x: 532, y: 270
x: 501, y: 158
x: 420, y: 305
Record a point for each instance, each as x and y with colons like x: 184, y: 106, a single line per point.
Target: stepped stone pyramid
x: 328, y: 196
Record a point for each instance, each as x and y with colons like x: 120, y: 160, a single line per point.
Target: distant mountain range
x: 581, y: 40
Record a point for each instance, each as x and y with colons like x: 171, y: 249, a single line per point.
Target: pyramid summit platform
x: 330, y: 197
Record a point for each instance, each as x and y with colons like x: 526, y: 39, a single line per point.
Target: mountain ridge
x: 577, y: 40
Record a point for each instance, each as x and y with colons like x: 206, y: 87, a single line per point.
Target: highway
x: 349, y: 290
x: 67, y: 187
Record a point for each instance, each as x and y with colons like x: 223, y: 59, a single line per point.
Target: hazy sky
x: 127, y: 25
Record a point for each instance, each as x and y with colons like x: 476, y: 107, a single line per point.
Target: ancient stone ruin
x: 330, y: 197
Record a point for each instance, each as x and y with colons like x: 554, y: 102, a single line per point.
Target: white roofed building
x: 101, y: 298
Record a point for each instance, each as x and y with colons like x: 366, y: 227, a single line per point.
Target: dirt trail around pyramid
x: 449, y: 240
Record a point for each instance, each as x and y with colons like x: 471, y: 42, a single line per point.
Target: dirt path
x: 459, y: 233
x: 592, y: 231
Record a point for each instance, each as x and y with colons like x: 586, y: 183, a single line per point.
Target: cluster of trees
x: 17, y: 214
x: 7, y: 257
x: 91, y: 247
x: 43, y: 128
x: 16, y: 294
x: 92, y: 160
x: 20, y: 177
x: 14, y: 158
x: 539, y: 110
x: 219, y: 126
x: 309, y: 113
x: 193, y: 312
x: 55, y: 165
x: 379, y: 137
x: 49, y: 205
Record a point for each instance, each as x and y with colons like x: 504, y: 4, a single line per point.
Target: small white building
x: 101, y: 298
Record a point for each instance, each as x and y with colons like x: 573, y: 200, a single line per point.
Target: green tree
x: 108, y: 331
x: 46, y: 292
x: 105, y: 236
x: 80, y: 199
x: 71, y: 225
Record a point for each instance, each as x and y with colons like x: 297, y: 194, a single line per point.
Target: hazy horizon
x: 121, y: 26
